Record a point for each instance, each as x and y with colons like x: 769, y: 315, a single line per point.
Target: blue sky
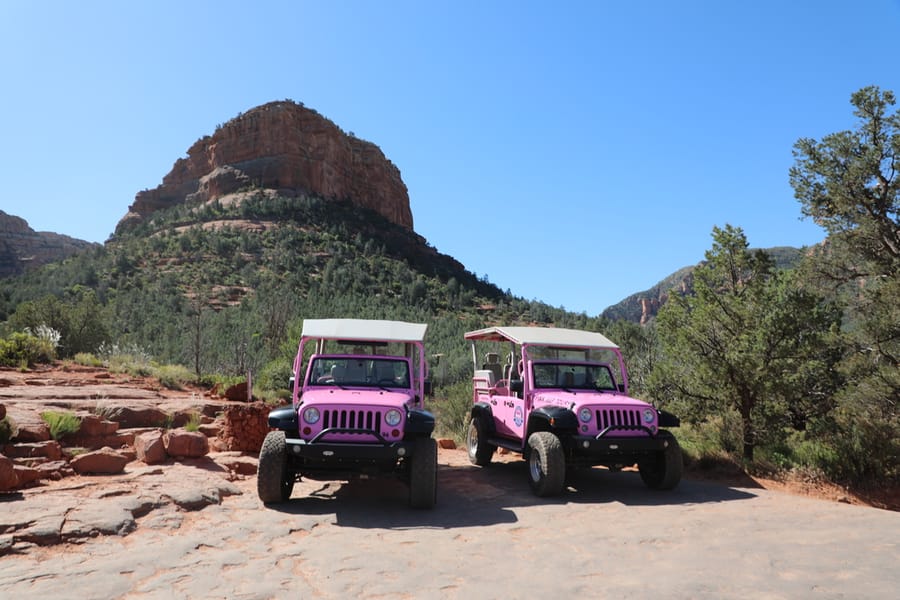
x: 572, y: 152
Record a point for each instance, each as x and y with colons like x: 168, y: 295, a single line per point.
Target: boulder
x: 94, y: 426
x: 29, y: 425
x: 103, y: 461
x: 185, y: 444
x: 150, y: 448
x: 128, y: 417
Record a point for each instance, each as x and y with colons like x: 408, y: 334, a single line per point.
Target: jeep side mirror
x: 516, y: 385
x: 427, y: 385
x: 291, y: 383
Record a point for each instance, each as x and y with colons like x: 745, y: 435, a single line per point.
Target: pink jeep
x: 560, y: 397
x: 358, y: 408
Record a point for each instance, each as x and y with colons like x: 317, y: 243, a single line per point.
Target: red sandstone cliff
x: 286, y: 147
x: 22, y: 248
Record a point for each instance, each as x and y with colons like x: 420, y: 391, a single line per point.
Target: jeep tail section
x: 560, y: 397
x: 358, y: 391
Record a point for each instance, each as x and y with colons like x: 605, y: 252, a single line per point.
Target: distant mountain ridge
x: 23, y: 249
x: 641, y: 307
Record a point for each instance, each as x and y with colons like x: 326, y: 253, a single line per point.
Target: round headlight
x: 584, y: 414
x: 649, y: 415
x: 311, y: 415
x: 392, y: 417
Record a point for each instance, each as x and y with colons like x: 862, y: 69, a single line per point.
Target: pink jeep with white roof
x: 357, y: 408
x: 560, y: 397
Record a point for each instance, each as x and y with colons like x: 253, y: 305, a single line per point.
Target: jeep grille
x: 352, y: 419
x: 627, y: 418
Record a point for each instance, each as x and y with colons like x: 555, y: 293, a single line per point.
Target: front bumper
x: 611, y: 448
x: 335, y: 454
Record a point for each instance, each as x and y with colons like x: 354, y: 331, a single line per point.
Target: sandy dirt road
x: 489, y: 537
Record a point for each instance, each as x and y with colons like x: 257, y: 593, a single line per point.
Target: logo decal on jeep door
x: 518, y: 417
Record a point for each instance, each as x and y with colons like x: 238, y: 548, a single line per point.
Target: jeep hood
x: 577, y: 398
x: 353, y: 396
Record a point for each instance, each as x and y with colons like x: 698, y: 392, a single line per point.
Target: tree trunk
x: 749, y: 436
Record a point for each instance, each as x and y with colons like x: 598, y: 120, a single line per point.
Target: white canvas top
x: 363, y: 330
x: 543, y: 336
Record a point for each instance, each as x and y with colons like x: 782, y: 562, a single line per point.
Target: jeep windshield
x: 573, y: 376
x: 359, y: 371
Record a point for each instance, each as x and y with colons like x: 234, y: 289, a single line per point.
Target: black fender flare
x: 552, y: 418
x: 284, y: 419
x: 419, y: 422
x: 667, y: 419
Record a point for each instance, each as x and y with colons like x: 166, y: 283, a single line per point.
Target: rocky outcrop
x: 286, y: 147
x: 23, y: 249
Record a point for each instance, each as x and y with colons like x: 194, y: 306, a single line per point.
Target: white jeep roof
x: 363, y: 330
x: 543, y: 336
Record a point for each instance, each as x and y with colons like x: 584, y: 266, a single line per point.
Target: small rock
x: 446, y: 444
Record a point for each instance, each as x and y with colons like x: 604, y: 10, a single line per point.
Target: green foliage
x: 173, y: 377
x: 452, y: 406
x: 78, y: 317
x: 61, y: 423
x: 131, y: 359
x: 24, y: 349
x: 86, y: 359
x: 193, y: 422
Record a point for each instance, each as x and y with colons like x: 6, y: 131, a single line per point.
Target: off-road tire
x: 423, y: 474
x: 663, y: 472
x: 273, y: 481
x: 546, y: 464
x: 480, y: 452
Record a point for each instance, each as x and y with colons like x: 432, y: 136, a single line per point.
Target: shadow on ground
x: 470, y: 496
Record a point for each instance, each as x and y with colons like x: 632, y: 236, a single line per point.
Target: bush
x: 453, y: 407
x: 172, y: 377
x: 132, y: 359
x: 61, y: 423
x: 715, y: 438
x: 86, y: 359
x: 193, y: 422
x: 867, y: 450
x: 23, y: 350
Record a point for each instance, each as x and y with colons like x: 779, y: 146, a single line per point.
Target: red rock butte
x: 281, y: 146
